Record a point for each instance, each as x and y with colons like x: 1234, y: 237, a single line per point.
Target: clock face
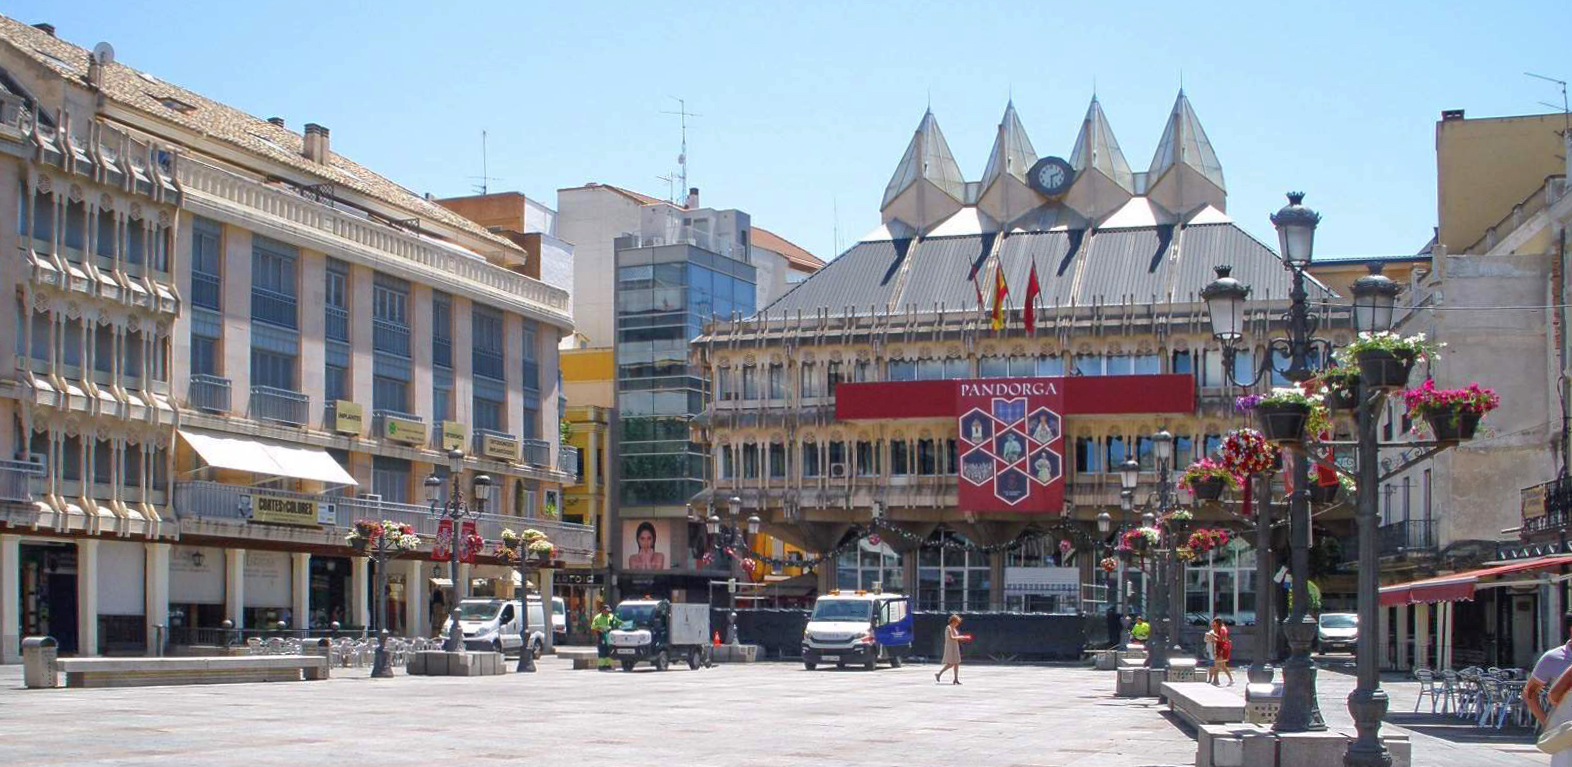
x: 1051, y: 176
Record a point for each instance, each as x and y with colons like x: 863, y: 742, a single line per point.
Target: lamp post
x: 1260, y: 671
x: 1129, y: 475
x: 456, y: 510
x: 1225, y: 301
x: 732, y: 537
x: 1174, y: 531
x: 1126, y: 506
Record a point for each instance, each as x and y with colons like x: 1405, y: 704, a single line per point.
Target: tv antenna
x: 682, y: 159
x: 671, y: 185
x: 485, y: 180
x: 1566, y: 114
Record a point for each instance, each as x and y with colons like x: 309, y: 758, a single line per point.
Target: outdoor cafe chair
x: 1428, y: 686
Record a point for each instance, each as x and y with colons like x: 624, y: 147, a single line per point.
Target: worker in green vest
x: 1141, y: 631
x: 601, y: 627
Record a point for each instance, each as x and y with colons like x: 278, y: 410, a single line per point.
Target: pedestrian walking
x: 601, y: 627
x: 1552, y: 670
x: 952, y: 650
x: 1221, y: 648
x: 1115, y: 624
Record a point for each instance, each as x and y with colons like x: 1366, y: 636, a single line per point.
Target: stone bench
x: 462, y: 663
x: 141, y: 672
x: 1255, y: 745
x: 1200, y: 704
x: 582, y: 658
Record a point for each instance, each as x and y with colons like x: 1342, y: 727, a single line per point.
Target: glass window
x: 1023, y: 367
x: 777, y: 382
x: 870, y: 567
x: 1087, y: 458
x: 1143, y: 452
x: 1147, y: 364
x: 1183, y: 362
x: 777, y: 461
x: 1184, y: 450
x: 993, y: 367
x: 952, y: 580
x: 1118, y: 453
x: 390, y: 478
x: 810, y: 459
x: 957, y: 368
x: 204, y: 355
x: 389, y: 394
x: 335, y: 382
x: 927, y: 458
x: 728, y: 463
x: 833, y: 372
x: 1213, y: 445
x: 272, y: 369
x: 811, y: 384
x: 867, y: 459
x: 902, y: 370
x: 1050, y: 365
x: 488, y: 414
x: 1119, y: 365
x: 930, y: 370
x: 900, y: 462
x: 750, y: 382
x: 837, y: 456
x: 750, y: 461
x: 1088, y: 364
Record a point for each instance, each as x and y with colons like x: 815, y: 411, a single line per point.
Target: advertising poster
x: 647, y: 544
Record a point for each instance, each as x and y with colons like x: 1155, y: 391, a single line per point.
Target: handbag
x: 1556, y: 739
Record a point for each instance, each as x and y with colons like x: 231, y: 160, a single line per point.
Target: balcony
x: 14, y: 479
x: 336, y: 323
x: 274, y: 308
x: 496, y: 445
x: 280, y: 405
x: 1547, y: 509
x: 209, y: 393
x: 489, y: 365
x: 536, y: 452
x: 568, y: 461
x: 206, y: 290
x: 390, y: 337
x: 1406, y: 537
x: 214, y: 500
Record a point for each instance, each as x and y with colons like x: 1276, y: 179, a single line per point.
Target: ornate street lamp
x: 456, y: 509
x: 727, y: 541
x: 1129, y: 474
x: 1375, y: 298
x: 1104, y: 523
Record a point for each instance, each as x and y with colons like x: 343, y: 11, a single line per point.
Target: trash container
x: 38, y: 662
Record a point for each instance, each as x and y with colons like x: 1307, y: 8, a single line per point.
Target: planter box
x: 1283, y: 424
x: 1342, y: 399
x: 1453, y: 427
x: 1208, y: 489
x: 1324, y: 494
x: 1384, y: 370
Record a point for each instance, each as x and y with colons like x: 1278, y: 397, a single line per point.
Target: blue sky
x: 807, y: 107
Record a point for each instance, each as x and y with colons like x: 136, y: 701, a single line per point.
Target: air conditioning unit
x: 372, y: 497
x: 837, y: 471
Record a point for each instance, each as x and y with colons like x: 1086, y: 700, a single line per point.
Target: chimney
x: 279, y: 121
x: 1448, y: 115
x: 46, y: 28
x: 693, y: 198
x: 316, y: 146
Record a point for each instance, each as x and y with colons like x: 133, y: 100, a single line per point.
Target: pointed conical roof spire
x: 1097, y: 148
x: 928, y: 158
x: 1184, y: 142
x: 1012, y: 150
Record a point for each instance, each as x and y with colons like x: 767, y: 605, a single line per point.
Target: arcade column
x: 156, y: 596
x: 359, y: 591
x: 235, y: 586
x: 10, y: 599
x: 300, y: 587
x: 87, y: 597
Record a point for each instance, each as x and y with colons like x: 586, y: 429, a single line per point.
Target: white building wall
x: 590, y: 219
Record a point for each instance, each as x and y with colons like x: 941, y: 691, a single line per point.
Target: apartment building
x: 229, y: 343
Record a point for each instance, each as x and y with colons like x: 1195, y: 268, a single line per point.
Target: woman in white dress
x: 952, y: 650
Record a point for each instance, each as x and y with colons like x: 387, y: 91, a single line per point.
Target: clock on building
x: 1051, y: 176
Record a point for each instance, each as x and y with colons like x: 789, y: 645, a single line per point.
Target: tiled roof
x: 1106, y: 267
x: 171, y: 103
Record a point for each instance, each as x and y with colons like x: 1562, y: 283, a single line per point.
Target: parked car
x: 1337, y: 632
x: 497, y: 625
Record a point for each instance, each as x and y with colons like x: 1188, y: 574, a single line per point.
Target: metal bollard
x: 38, y: 662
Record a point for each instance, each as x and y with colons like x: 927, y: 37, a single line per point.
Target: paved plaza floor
x: 759, y: 715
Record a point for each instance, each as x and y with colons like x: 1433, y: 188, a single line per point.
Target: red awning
x: 1457, y: 586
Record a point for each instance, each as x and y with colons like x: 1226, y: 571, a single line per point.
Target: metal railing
x: 535, y: 452
x: 281, y: 405
x: 1405, y: 536
x: 568, y: 460
x: 442, y: 352
x: 274, y: 308
x: 206, y: 290
x: 488, y: 364
x: 335, y: 321
x: 14, y: 480
x: 215, y: 500
x: 379, y: 420
x: 390, y: 337
x: 208, y: 392
x: 478, y: 439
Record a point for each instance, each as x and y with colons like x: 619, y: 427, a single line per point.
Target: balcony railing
x: 281, y: 405
x: 1413, y: 535
x: 482, y: 437
x: 206, y: 290
x: 1547, y: 507
x: 488, y: 364
x: 442, y: 352
x: 390, y: 337
x: 14, y: 476
x: 336, y: 323
x: 208, y: 392
x: 532, y: 376
x: 274, y: 308
x: 536, y: 452
x: 568, y: 460
x: 214, y: 500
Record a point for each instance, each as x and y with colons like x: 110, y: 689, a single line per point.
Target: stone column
x: 547, y: 579
x: 10, y: 599
x: 360, y: 356
x: 1401, y: 617
x: 235, y: 586
x: 463, y: 362
x: 995, y: 582
x: 359, y: 591
x: 237, y: 316
x: 156, y: 595
x: 420, y: 354
x: 300, y: 586
x: 313, y: 334
x: 1422, y: 635
x: 513, y: 371
x: 86, y: 597
x: 416, y: 622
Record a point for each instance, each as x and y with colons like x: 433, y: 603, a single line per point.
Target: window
x: 390, y: 478
x: 441, y: 330
x: 1088, y: 365
x: 103, y: 462
x: 336, y: 311
x: 810, y: 459
x: 750, y: 461
x: 1183, y: 362
x: 834, y: 376
x: 1050, y: 366
x: 104, y: 348
x: 390, y: 316
x: 43, y: 216
x: 1144, y: 455
x: 71, y: 458
x: 777, y: 382
x: 837, y: 456
x: 812, y: 385
x: 927, y: 458
x: 862, y: 371
x: 867, y: 459
x: 870, y: 567
x: 272, y: 369
x: 930, y: 370
x: 71, y: 343
x: 900, y: 457
x: 335, y: 382
x: 728, y: 463
x: 1212, y: 445
x: 902, y: 370
x: 388, y: 393
x: 993, y: 367
x: 131, y: 366
x: 205, y: 262
x: 442, y: 395
x: 488, y: 343
x: 1222, y: 583
x: 1184, y: 451
x: 75, y: 225
x: 777, y: 460
x: 205, y: 355
x: 1118, y: 453
x: 488, y: 414
x: 1118, y: 365
x: 273, y: 288
x: 952, y: 580
x: 528, y: 344
x: 725, y: 391
x: 1087, y: 458
x: 952, y: 456
x: 750, y: 383
x: 1147, y: 364
x: 1023, y: 367
x: 136, y: 242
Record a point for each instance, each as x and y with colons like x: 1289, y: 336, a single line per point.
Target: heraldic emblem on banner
x: 1010, y: 454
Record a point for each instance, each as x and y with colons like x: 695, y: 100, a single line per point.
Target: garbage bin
x: 38, y: 662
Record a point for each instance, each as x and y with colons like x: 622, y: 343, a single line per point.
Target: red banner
x: 1011, y: 444
x: 472, y: 543
x: 1082, y: 395
x: 443, y: 548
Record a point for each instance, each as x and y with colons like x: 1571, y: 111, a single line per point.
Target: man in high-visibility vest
x: 601, y: 627
x: 1141, y: 631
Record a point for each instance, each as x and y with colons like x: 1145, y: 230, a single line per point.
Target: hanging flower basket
x: 1142, y: 539
x: 1325, y: 494
x: 1453, y: 414
x: 1246, y: 452
x: 1202, y: 541
x: 1178, y: 522
x: 1283, y: 422
x: 1457, y: 426
x: 1386, y: 359
x: 1384, y: 369
x: 1340, y: 387
x: 1206, y: 479
x: 1109, y: 564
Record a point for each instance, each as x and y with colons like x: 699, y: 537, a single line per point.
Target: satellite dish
x: 103, y: 53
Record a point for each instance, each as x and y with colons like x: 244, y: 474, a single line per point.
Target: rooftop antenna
x: 671, y: 186
x: 484, y: 186
x: 682, y: 159
x: 1566, y: 114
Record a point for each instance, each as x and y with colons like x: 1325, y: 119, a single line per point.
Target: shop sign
x: 348, y: 417
x: 1534, y: 500
x: 274, y: 510
x: 569, y: 578
x: 453, y: 435
x: 496, y: 446
x: 403, y: 430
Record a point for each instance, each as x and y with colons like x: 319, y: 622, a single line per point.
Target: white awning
x: 223, y: 451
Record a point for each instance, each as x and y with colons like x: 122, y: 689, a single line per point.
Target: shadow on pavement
x: 1450, y: 728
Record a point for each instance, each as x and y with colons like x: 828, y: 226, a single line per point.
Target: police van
x: 859, y: 628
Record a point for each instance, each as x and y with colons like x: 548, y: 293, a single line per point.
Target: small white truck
x: 657, y: 631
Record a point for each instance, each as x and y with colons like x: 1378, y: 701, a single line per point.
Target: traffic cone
x: 716, y: 641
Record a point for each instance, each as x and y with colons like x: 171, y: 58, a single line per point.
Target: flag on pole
x: 973, y: 277
x: 1033, y: 290
x: 1001, y: 290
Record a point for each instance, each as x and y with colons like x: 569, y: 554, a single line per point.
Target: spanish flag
x: 1001, y: 290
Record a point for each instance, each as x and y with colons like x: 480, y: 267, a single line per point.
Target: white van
x: 559, y: 618
x: 858, y: 628
x: 497, y: 625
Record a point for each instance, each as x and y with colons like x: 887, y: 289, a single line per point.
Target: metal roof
x: 1097, y: 148
x: 1184, y: 142
x: 1146, y: 265
x: 1012, y: 150
x: 927, y: 157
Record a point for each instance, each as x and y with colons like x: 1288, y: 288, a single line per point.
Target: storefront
x: 48, y: 592
x: 196, y: 587
x: 267, y: 590
x: 582, y: 591
x: 1502, y: 610
x: 122, y: 604
x: 330, y: 591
